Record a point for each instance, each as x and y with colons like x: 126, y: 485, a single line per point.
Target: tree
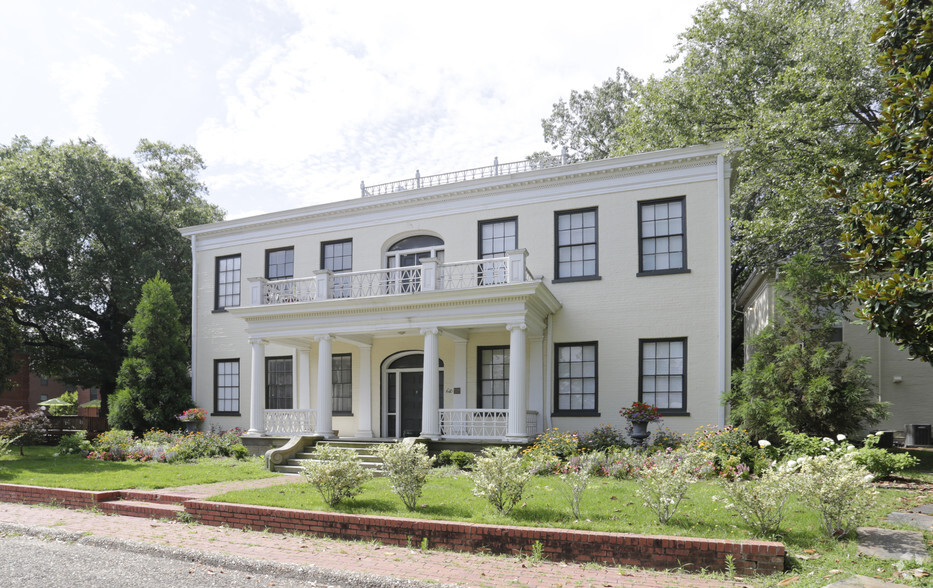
x: 10, y: 337
x: 71, y: 408
x: 887, y: 229
x: 797, y: 380
x: 586, y: 123
x: 154, y: 376
x: 87, y: 229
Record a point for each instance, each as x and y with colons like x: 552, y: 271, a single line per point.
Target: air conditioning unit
x: 916, y: 435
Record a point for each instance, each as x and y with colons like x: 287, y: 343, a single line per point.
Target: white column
x: 365, y: 428
x: 257, y: 396
x: 535, y: 392
x: 430, y: 419
x: 460, y: 372
x: 518, y: 373
x: 325, y: 387
x: 304, y: 378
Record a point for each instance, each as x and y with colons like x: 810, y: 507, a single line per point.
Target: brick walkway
x: 447, y: 567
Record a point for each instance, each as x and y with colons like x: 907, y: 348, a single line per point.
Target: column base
x: 430, y: 436
x: 518, y: 438
x: 325, y: 434
x: 365, y: 434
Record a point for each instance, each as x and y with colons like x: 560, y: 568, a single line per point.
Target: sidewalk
x: 326, y: 554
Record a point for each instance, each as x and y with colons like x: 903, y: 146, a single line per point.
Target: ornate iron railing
x: 496, y: 169
x: 480, y: 423
x: 290, y: 422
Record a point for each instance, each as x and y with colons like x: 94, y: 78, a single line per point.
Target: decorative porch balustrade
x: 429, y: 276
x: 479, y: 423
x: 290, y: 422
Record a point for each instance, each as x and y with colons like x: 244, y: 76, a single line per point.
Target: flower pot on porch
x: 192, y: 426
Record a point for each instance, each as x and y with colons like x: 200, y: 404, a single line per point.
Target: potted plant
x: 639, y: 415
x: 193, y: 417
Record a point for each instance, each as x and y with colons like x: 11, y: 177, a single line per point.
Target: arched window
x: 411, y: 250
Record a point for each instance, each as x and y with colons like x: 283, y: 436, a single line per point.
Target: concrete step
x: 137, y: 508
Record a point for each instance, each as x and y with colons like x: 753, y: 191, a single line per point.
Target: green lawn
x: 40, y: 467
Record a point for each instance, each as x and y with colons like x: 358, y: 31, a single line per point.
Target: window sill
x: 575, y: 413
x: 663, y: 272
x: 225, y: 414
x: 341, y: 414
x: 674, y: 414
x: 576, y: 279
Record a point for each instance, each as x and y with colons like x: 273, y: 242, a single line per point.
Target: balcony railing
x: 479, y: 423
x: 489, y: 171
x: 290, y: 422
x: 429, y: 276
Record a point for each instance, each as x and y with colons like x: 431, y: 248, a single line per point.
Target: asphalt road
x: 71, y: 560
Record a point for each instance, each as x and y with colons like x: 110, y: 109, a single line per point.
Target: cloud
x: 152, y: 35
x: 80, y: 84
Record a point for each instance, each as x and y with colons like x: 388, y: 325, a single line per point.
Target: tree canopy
x: 87, y: 229
x: 887, y: 229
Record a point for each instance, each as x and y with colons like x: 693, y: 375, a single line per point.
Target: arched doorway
x: 402, y: 394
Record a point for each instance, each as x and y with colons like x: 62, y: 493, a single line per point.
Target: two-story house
x: 487, y: 304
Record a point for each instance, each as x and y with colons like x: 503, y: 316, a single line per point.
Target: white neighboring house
x: 483, y: 305
x: 907, y: 385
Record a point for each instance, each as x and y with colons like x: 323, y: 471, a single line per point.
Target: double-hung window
x: 226, y: 386
x: 279, y: 382
x: 494, y: 377
x: 496, y: 238
x: 337, y: 256
x: 662, y: 231
x: 663, y: 374
x: 576, y: 377
x: 227, y: 282
x: 577, y: 255
x: 342, y: 381
x: 280, y: 263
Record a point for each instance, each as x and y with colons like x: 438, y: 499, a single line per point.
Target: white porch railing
x: 290, y: 422
x: 429, y: 276
x: 480, y: 423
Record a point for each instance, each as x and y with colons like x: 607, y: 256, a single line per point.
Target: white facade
x: 904, y: 383
x: 466, y: 278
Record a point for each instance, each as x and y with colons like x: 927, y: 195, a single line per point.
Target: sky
x: 295, y: 102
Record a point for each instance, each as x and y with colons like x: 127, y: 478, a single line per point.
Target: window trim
x: 332, y: 396
x: 479, y: 232
x: 238, y: 388
x: 266, y: 381
x: 324, y: 245
x: 557, y: 277
x: 641, y: 362
x: 479, y: 373
x: 587, y: 412
x: 217, y: 260
x: 276, y: 250
x: 680, y: 270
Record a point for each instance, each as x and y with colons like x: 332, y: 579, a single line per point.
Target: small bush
x: 336, y: 473
x: 797, y: 444
x: 837, y: 487
x: 115, y: 439
x: 239, y: 451
x: 443, y: 458
x: 625, y: 464
x: 602, y: 438
x: 76, y: 444
x: 761, y: 501
x: 24, y: 428
x: 731, y: 446
x: 500, y: 477
x: 407, y: 465
x: 664, y: 486
x: 881, y: 462
x: 575, y: 477
x: 553, y: 442
x: 159, y: 437
x: 65, y: 410
x: 463, y: 459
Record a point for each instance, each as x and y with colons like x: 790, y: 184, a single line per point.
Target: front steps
x: 153, y: 505
x: 365, y: 450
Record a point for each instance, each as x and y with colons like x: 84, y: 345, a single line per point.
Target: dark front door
x: 411, y: 403
x: 404, y: 396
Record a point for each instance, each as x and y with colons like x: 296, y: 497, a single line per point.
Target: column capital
x: 257, y: 341
x: 326, y: 337
x: 430, y: 330
x: 512, y: 326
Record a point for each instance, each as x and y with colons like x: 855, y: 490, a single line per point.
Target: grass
x: 40, y: 467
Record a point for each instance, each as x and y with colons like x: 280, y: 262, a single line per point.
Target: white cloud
x: 81, y: 83
x: 152, y: 35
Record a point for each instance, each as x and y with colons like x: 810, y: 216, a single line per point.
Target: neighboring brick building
x: 30, y: 388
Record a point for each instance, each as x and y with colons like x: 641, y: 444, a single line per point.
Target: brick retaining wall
x: 646, y: 551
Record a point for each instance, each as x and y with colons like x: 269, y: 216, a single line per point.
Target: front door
x: 403, y: 395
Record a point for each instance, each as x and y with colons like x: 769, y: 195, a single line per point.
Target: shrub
x: 24, y: 428
x: 625, y: 464
x: 239, y: 451
x: 113, y: 439
x: 731, y: 446
x: 602, y: 438
x: 797, y: 444
x: 663, y: 486
x: 760, y: 501
x: 5, y: 445
x: 443, y: 458
x: 500, y: 477
x: 336, y: 473
x: 159, y: 437
x: 63, y: 410
x: 882, y: 463
x: 575, y: 477
x: 553, y: 442
x: 76, y: 444
x: 463, y: 459
x: 664, y: 438
x: 196, y: 445
x: 407, y: 465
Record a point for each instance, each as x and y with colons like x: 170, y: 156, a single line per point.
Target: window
x: 576, y: 379
x: 663, y: 374
x: 279, y: 382
x: 497, y: 237
x: 337, y: 256
x: 280, y: 264
x: 408, y: 253
x: 227, y: 278
x: 43, y: 397
x: 227, y: 386
x: 43, y: 380
x: 95, y: 394
x: 493, y: 377
x: 575, y: 237
x: 342, y: 379
x: 662, y: 237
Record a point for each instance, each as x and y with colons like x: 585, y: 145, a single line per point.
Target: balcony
x: 430, y: 276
